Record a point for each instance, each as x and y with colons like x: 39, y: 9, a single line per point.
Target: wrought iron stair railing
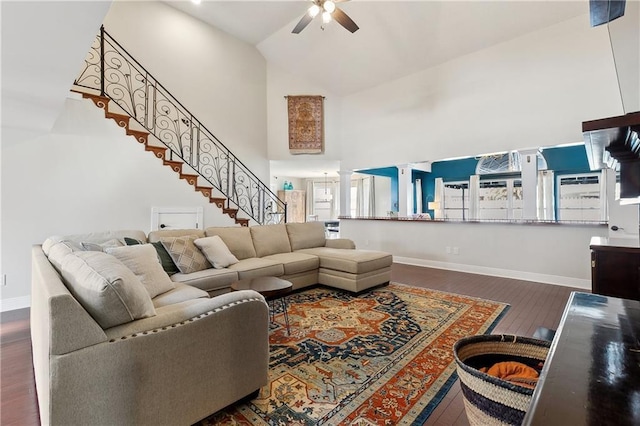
x: 112, y: 71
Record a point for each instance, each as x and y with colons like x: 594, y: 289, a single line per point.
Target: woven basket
x: 489, y: 400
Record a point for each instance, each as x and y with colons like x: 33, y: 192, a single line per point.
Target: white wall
x: 85, y: 176
x: 528, y: 92
x: 35, y: 69
x: 556, y: 254
x: 220, y: 79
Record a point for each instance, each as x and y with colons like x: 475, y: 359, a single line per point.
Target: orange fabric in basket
x: 514, y: 372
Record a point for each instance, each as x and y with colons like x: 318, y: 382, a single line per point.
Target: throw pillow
x: 106, y: 288
x: 89, y: 246
x: 143, y: 262
x: 185, y: 254
x: 165, y: 259
x: 216, y: 251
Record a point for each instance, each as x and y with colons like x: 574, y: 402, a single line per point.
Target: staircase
x: 137, y: 102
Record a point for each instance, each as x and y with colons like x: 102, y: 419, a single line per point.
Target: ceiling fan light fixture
x: 329, y: 6
x: 314, y: 10
x: 326, y: 17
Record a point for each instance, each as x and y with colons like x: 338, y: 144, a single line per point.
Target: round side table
x: 273, y: 289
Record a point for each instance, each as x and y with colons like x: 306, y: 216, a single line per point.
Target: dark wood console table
x: 615, y: 267
x: 592, y: 373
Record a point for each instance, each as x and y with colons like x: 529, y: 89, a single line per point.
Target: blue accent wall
x: 570, y: 159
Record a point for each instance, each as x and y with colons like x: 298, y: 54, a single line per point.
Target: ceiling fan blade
x: 344, y: 20
x: 302, y: 24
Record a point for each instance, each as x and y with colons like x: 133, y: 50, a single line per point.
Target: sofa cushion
x: 58, y: 251
x: 352, y: 261
x: 237, y: 238
x: 93, y: 237
x: 216, y: 251
x: 270, y: 239
x: 180, y: 293
x: 187, y: 257
x: 295, y: 263
x: 155, y: 236
x: 90, y: 246
x: 306, y: 235
x: 163, y: 255
x: 208, y: 279
x: 143, y: 262
x: 257, y: 267
x: 106, y: 288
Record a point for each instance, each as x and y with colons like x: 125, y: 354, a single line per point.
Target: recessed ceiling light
x: 196, y: 1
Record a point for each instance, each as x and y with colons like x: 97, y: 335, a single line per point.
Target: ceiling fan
x: 329, y: 11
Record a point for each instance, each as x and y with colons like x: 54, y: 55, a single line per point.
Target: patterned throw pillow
x: 187, y: 257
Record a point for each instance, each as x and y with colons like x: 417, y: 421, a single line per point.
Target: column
x: 405, y: 191
x: 529, y: 163
x: 345, y: 192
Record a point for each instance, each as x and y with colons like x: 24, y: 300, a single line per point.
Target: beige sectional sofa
x: 105, y: 353
x: 297, y: 252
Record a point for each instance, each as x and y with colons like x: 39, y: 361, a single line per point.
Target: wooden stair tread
x: 121, y: 119
x: 98, y: 100
x: 176, y: 166
x: 191, y: 179
x: 140, y: 135
x: 157, y: 151
x: 206, y: 190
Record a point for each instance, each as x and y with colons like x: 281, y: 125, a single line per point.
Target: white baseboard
x: 14, y: 303
x: 496, y: 272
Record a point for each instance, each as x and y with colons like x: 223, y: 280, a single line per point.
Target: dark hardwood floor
x: 532, y: 305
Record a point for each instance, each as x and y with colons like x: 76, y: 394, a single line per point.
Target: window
x: 456, y: 200
x: 581, y: 197
x: 500, y: 199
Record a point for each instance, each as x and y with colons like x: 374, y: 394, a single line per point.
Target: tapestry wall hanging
x: 306, y: 124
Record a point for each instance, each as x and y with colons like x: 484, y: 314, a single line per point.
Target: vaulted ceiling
x: 396, y: 38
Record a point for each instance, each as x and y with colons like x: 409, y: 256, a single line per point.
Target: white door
x: 176, y: 218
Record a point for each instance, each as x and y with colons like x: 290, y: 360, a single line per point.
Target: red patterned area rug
x: 384, y: 357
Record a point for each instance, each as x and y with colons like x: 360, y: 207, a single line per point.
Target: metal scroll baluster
x: 102, y: 60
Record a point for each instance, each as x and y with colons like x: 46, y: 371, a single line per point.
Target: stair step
x: 140, y: 136
x: 219, y: 202
x: 231, y: 212
x: 99, y: 101
x: 121, y: 119
x: 206, y: 191
x: 242, y: 222
x: 157, y: 150
x: 191, y: 179
x: 176, y: 166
